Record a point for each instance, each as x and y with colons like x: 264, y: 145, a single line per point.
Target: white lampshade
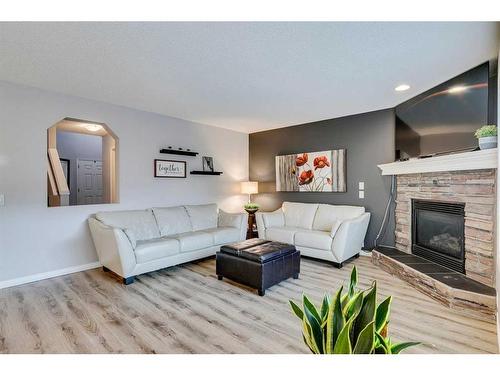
x: 249, y: 187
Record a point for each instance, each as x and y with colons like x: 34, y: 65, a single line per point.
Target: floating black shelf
x: 207, y: 173
x: 177, y: 152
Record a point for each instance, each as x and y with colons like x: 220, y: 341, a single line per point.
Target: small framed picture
x: 170, y: 168
x: 208, y: 164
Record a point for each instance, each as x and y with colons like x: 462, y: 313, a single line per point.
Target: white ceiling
x: 243, y: 76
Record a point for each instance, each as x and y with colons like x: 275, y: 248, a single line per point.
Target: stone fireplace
x: 445, y: 229
x: 474, y: 191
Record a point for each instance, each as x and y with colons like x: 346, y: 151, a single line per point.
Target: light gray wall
x: 74, y: 146
x: 35, y: 238
x: 369, y: 140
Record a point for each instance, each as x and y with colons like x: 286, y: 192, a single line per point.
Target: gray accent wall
x: 369, y: 140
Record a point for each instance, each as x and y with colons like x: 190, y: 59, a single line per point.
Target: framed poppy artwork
x: 319, y: 171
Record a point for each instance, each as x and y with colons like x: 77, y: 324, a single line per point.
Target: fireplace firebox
x: 438, y: 232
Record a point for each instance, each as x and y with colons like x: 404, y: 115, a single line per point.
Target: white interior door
x: 89, y: 181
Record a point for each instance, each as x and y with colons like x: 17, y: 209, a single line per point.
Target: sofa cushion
x: 223, y: 235
x: 283, y: 234
x: 327, y: 214
x: 172, y: 220
x: 226, y: 219
x: 299, y: 215
x: 273, y: 219
x: 314, y: 238
x: 202, y: 216
x: 148, y: 250
x: 141, y: 222
x: 192, y: 241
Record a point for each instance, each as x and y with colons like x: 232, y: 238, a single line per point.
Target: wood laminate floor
x: 185, y: 309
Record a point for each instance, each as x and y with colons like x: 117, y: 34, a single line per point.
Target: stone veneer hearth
x: 475, y: 188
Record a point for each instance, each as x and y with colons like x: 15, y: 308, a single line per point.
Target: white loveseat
x: 324, y: 231
x: 130, y: 243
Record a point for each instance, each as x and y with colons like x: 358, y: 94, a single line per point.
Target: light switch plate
x: 2, y: 200
x: 361, y: 194
x: 361, y: 185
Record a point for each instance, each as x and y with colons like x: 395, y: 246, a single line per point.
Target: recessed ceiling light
x: 93, y: 127
x: 457, y: 89
x: 402, y: 87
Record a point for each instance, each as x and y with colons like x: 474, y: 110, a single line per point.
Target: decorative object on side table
x: 250, y: 187
x: 170, y: 168
x: 321, y: 171
x: 348, y: 323
x: 487, y: 136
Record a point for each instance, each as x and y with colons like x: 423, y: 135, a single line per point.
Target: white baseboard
x: 47, y: 275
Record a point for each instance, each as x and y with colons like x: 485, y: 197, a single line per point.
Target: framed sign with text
x: 170, y: 168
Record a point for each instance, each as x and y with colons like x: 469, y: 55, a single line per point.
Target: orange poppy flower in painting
x: 306, y: 177
x: 301, y: 160
x: 321, y: 162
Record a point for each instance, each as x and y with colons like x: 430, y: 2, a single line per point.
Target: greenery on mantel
x: 486, y: 131
x: 349, y: 323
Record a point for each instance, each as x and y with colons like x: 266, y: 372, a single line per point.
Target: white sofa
x: 130, y: 243
x: 324, y: 231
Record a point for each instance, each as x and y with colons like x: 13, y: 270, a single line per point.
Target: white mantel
x: 483, y: 159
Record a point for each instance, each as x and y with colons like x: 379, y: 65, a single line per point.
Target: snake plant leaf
x: 308, y: 305
x: 307, y: 334
x: 381, y: 342
x: 335, y: 322
x: 353, y: 282
x: 343, y: 344
x: 397, y: 348
x: 382, y: 314
x: 316, y: 330
x: 325, y: 306
x: 366, y: 340
x: 353, y: 307
x: 297, y: 310
x: 367, y: 313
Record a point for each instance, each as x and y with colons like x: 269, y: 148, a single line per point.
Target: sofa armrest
x: 269, y: 219
x: 350, y: 237
x: 113, y: 248
x: 234, y: 220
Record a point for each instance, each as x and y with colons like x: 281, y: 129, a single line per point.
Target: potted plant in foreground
x: 487, y: 136
x: 348, y: 323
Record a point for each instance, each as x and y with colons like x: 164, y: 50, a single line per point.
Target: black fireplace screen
x: 438, y: 233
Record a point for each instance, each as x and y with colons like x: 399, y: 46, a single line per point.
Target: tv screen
x: 443, y: 119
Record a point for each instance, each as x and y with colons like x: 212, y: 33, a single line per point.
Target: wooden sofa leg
x: 128, y: 280
x: 356, y: 256
x: 261, y: 292
x: 338, y: 265
x: 106, y: 269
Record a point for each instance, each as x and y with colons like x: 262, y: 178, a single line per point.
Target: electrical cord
x: 383, y: 228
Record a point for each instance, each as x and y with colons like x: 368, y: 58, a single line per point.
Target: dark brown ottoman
x: 258, y: 263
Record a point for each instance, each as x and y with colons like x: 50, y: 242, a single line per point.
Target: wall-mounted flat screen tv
x: 443, y: 119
